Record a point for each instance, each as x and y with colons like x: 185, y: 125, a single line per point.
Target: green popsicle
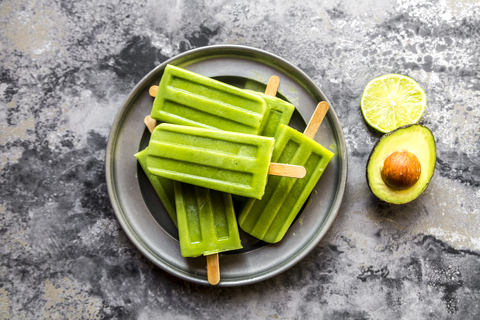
x: 220, y: 160
x: 268, y: 219
x: 206, y: 221
x: 280, y: 112
x: 187, y: 98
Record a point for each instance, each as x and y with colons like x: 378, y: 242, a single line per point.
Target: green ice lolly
x: 280, y: 112
x: 206, y: 221
x: 221, y: 160
x: 269, y: 219
x: 187, y: 98
x: 163, y: 187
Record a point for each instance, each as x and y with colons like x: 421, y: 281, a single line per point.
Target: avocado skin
x: 379, y: 142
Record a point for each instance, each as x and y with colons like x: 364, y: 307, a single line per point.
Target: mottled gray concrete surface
x: 67, y: 66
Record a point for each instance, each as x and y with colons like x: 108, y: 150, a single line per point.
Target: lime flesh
x: 391, y: 101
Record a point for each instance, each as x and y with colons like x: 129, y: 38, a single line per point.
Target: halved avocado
x: 415, y: 139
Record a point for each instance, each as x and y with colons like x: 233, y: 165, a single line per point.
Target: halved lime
x: 392, y: 101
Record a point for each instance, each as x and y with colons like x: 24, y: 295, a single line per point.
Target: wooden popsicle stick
x: 272, y: 86
x: 153, y: 91
x: 286, y: 170
x: 316, y: 120
x: 213, y: 269
x: 150, y: 123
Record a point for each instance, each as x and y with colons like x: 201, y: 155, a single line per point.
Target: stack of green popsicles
x: 197, y: 236
x: 226, y: 160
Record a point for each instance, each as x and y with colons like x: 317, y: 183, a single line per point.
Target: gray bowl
x: 142, y: 215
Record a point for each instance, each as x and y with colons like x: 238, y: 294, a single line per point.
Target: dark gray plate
x: 142, y: 215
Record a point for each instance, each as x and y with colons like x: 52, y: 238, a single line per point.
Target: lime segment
x: 392, y: 101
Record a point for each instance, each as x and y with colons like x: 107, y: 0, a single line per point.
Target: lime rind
x: 392, y: 101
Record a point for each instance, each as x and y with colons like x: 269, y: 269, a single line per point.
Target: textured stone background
x: 67, y: 66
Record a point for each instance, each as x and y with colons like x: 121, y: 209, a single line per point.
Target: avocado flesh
x: 414, y: 138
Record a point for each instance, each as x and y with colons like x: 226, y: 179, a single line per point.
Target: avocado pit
x: 401, y: 170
